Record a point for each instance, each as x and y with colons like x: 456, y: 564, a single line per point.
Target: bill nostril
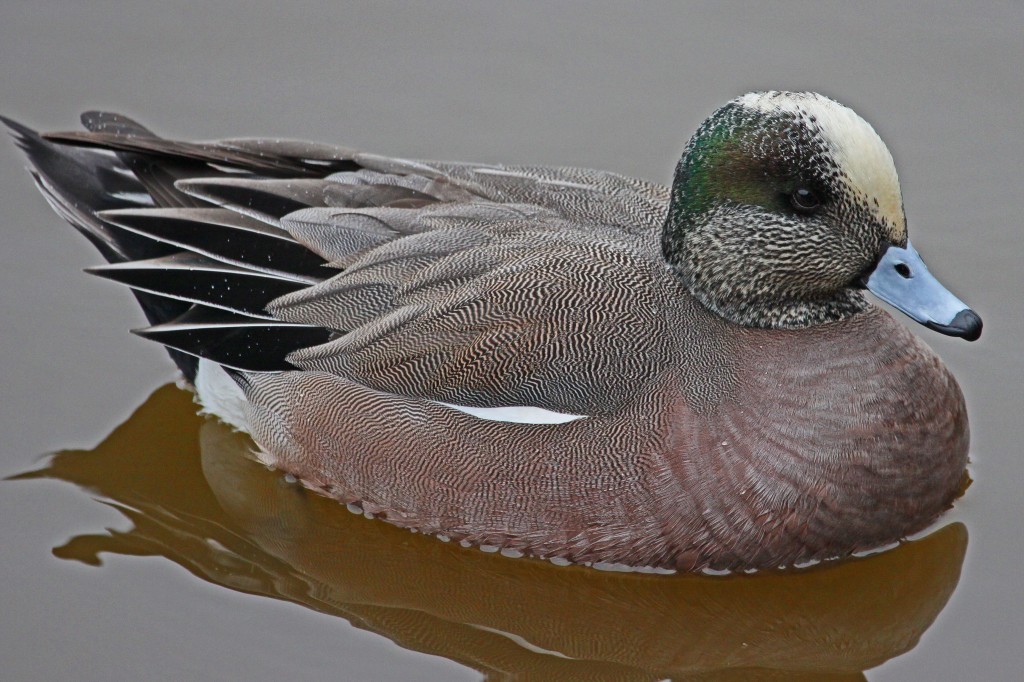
x: 903, y: 270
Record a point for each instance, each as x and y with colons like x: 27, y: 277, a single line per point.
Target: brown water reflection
x: 194, y: 498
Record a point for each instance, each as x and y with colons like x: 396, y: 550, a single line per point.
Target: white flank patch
x: 516, y: 414
x: 220, y: 395
x: 854, y: 144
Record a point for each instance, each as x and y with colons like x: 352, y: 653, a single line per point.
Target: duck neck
x: 778, y: 314
x: 709, y: 251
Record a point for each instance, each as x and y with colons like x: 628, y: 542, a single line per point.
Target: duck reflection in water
x: 191, y: 498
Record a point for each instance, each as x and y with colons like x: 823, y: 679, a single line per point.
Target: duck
x: 557, y: 362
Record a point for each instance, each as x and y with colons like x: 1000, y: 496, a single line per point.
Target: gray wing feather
x: 516, y: 287
x: 529, y: 318
x: 393, y: 256
x: 474, y: 284
x: 578, y: 194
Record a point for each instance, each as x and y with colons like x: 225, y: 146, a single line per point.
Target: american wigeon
x: 558, y: 362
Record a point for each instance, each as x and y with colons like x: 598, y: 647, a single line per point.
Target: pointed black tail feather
x: 268, y: 158
x: 202, y: 274
x: 79, y: 182
x: 236, y: 341
x: 157, y: 176
x: 226, y: 236
x: 192, y: 278
x: 264, y: 199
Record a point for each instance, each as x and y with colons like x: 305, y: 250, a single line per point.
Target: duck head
x: 785, y: 206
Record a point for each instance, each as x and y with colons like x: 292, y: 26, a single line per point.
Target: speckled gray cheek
x: 806, y: 264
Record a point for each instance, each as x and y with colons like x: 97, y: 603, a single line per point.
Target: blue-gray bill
x: 902, y: 280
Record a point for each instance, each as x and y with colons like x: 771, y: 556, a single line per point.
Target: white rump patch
x: 220, y: 396
x: 516, y: 414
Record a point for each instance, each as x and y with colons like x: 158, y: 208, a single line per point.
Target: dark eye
x: 804, y: 200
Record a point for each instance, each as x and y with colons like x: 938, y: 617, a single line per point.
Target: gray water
x: 588, y: 84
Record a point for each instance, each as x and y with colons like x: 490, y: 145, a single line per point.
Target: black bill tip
x: 966, y: 325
